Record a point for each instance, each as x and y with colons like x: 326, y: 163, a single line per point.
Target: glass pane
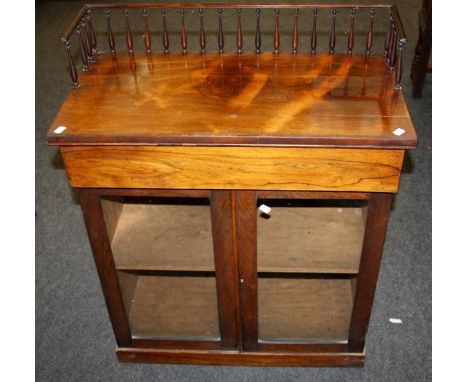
x: 163, y: 253
x: 170, y: 307
x: 310, y: 236
x: 308, y: 259
x: 160, y: 233
x: 311, y: 310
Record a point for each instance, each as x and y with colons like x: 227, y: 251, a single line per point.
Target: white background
x: 450, y: 187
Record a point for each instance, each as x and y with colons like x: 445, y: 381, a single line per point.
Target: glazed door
x: 166, y: 264
x: 300, y: 259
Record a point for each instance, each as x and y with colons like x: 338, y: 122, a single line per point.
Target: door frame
x: 224, y: 259
x: 373, y: 241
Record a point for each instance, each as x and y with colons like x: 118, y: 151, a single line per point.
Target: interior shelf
x: 293, y: 239
x: 304, y: 310
x: 311, y: 239
x: 163, y: 237
x: 170, y: 307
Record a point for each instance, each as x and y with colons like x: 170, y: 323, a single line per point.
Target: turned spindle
x: 295, y: 39
x: 84, y: 55
x: 129, y: 33
x: 351, y: 32
x: 147, y: 33
x: 220, y: 31
x: 390, y: 44
x: 183, y: 33
x: 276, y: 41
x: 393, y: 48
x: 165, y: 35
x: 239, y: 32
x: 110, y: 35
x: 84, y: 36
x: 313, y: 39
x: 202, y: 32
x: 91, y: 33
x: 387, y: 38
x: 370, y: 33
x: 71, y: 66
x: 332, y: 41
x: 258, y: 36
x: 399, y: 66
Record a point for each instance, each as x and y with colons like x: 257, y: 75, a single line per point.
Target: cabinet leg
x: 374, y: 237
x: 97, y: 233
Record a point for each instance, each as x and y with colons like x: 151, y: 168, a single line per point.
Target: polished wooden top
x: 232, y: 99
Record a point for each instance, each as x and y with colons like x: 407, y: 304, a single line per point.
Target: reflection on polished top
x: 232, y: 99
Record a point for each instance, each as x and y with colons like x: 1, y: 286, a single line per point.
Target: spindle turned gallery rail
x: 236, y: 202
x: 83, y: 27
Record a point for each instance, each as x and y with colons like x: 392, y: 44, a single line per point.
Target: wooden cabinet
x: 238, y: 218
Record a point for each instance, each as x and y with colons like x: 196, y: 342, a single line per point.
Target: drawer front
x: 248, y: 168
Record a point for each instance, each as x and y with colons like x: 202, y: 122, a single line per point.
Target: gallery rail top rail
x: 82, y: 27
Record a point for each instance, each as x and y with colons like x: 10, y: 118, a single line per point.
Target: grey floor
x: 74, y: 340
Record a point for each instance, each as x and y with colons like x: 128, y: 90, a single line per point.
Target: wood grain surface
x: 230, y: 99
x: 246, y: 238
x: 212, y: 357
x: 374, y: 238
x: 100, y: 245
x: 227, y: 275
x: 260, y: 168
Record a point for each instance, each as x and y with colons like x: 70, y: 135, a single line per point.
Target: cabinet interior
x: 170, y: 307
x: 310, y: 236
x: 304, y: 310
x: 171, y: 234
x: 308, y: 260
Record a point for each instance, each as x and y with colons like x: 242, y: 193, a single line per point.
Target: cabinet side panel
x: 111, y: 210
x: 374, y: 237
x: 95, y: 224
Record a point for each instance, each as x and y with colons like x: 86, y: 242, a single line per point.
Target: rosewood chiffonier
x: 236, y: 200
